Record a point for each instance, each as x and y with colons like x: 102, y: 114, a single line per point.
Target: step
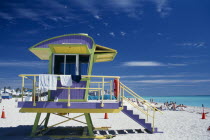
x: 135, y: 117
x: 142, y: 122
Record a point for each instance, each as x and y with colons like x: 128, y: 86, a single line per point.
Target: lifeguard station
x: 75, y: 54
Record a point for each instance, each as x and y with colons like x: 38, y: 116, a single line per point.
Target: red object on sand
x: 203, y: 116
x: 3, y: 114
x: 106, y: 116
x: 208, y: 128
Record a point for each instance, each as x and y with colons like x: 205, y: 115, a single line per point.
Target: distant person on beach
x: 164, y: 107
x: 152, y: 101
x: 167, y: 105
x: 184, y: 106
x: 143, y: 105
x: 173, y: 106
x: 181, y: 107
x: 160, y: 108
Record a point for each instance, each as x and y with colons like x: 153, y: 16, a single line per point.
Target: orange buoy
x: 3, y: 114
x: 106, y: 116
x: 116, y: 87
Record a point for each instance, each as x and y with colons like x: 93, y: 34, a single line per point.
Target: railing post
x: 102, y: 102
x: 99, y: 91
x: 40, y: 92
x: 118, y: 97
x: 34, y: 90
x: 120, y: 93
x: 153, y: 124
x: 123, y: 92
x: 23, y: 78
x: 147, y: 114
x: 69, y: 97
x: 111, y: 90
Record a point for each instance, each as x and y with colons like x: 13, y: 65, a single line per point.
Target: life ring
x: 116, y: 87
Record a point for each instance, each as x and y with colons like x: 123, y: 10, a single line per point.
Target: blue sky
x: 163, y: 45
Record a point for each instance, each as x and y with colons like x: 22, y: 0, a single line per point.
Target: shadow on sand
x: 22, y: 132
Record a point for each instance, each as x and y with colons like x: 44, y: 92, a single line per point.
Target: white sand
x: 175, y: 125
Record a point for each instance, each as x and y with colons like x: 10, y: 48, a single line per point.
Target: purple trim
x: 78, y: 105
x: 147, y: 126
x: 67, y: 39
x: 75, y: 93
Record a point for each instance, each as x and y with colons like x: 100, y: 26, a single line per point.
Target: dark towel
x: 76, y: 78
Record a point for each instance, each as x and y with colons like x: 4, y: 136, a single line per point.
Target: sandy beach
x: 182, y: 125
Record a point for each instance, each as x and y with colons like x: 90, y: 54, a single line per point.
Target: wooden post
x: 46, y: 120
x: 36, y: 123
x: 89, y: 124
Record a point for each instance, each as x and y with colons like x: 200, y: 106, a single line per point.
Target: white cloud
x: 23, y: 64
x: 106, y: 24
x: 32, y: 31
x: 176, y: 64
x: 39, y: 11
x: 112, y: 34
x: 91, y: 27
x: 57, y: 11
x: 97, y: 17
x: 89, y: 6
x: 185, y: 56
x: 162, y: 7
x: 143, y: 63
x: 123, y: 33
x: 153, y: 76
x: 149, y: 64
x: 28, y: 14
x: 190, y: 44
x: 6, y: 16
x: 169, y: 81
x: 131, y: 7
x: 181, y: 85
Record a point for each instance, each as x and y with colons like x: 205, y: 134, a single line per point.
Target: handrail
x: 139, y: 98
x: 100, y: 89
x: 21, y: 75
x: 98, y: 82
x: 137, y: 107
x: 131, y: 92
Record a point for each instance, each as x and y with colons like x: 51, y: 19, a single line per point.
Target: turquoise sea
x: 186, y: 100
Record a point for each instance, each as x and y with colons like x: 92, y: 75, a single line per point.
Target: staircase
x: 147, y: 126
x: 149, y: 112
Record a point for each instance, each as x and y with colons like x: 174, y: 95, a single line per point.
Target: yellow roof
x: 103, y: 54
